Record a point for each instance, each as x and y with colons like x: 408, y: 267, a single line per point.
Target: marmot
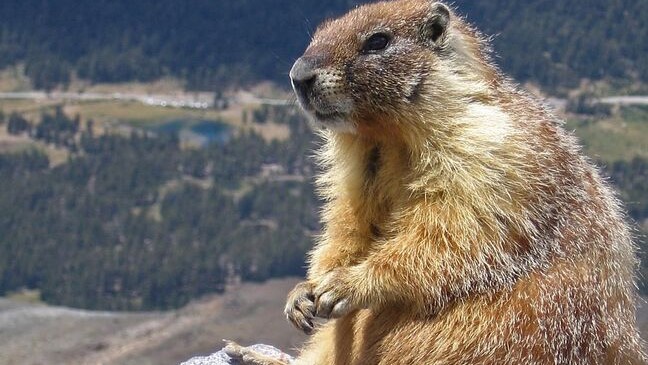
x: 462, y: 224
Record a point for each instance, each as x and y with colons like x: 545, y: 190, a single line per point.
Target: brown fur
x: 461, y: 225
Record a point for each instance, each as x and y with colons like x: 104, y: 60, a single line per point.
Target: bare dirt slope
x: 251, y: 313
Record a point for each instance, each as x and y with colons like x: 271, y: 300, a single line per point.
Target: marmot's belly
x: 394, y: 337
x: 505, y: 329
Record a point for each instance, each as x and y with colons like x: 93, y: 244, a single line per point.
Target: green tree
x: 17, y: 124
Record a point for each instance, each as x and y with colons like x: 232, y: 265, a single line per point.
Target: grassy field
x: 13, y: 79
x: 146, y: 116
x: 28, y: 108
x: 619, y: 137
x: 112, y: 114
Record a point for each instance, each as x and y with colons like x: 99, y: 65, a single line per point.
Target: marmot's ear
x: 436, y: 25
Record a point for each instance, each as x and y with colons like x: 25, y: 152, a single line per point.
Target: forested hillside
x: 123, y: 215
x: 136, y: 222
x: 213, y: 43
x: 555, y: 43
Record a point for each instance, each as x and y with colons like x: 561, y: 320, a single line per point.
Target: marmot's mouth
x: 307, y: 104
x: 321, y: 112
x: 327, y: 116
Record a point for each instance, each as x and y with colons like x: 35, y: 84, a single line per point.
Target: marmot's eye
x: 377, y: 42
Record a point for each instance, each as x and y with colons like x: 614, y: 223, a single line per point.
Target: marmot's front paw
x: 333, y: 296
x: 300, y: 307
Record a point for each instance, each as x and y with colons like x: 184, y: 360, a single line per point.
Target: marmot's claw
x: 300, y: 307
x: 324, y: 304
x: 332, y: 297
x: 341, y: 308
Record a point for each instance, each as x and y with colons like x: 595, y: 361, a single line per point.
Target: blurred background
x: 155, y: 181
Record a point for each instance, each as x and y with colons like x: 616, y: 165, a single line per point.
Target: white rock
x: 219, y: 358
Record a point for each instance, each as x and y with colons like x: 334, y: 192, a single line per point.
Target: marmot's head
x: 384, y: 62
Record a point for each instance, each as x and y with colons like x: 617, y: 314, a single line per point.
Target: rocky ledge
x: 220, y: 358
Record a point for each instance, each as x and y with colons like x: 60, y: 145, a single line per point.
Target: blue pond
x: 202, y: 132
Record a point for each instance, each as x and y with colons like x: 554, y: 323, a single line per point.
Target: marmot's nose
x: 303, y: 75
